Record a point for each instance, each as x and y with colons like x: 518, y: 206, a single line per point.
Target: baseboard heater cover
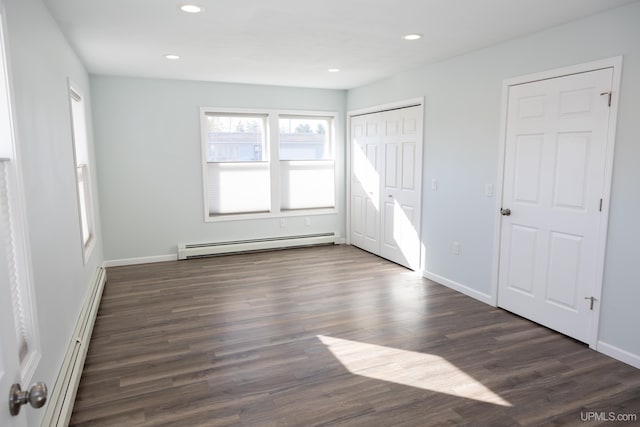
x: 200, y: 250
x: 61, y: 399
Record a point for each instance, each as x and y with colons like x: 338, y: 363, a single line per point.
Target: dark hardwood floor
x: 330, y: 336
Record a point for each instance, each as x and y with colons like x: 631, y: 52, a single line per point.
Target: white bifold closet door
x: 386, y: 173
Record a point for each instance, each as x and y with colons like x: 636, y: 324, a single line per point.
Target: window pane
x: 83, y: 181
x: 304, y: 138
x: 235, y: 138
x: 307, y: 184
x: 238, y: 188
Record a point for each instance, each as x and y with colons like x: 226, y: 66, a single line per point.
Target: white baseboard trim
x: 160, y: 258
x: 62, y: 396
x: 458, y: 287
x: 619, y: 354
x: 141, y: 260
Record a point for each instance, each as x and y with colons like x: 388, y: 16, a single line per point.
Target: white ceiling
x: 294, y: 42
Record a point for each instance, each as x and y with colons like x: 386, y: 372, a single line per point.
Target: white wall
x: 148, y: 146
x: 40, y: 61
x: 462, y: 116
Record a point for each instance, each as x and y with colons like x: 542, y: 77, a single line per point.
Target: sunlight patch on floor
x: 425, y: 371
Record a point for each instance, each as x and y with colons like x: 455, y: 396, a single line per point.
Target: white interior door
x: 9, y: 359
x: 386, y: 184
x: 366, y: 132
x: 401, y: 194
x: 19, y: 352
x: 10, y: 371
x: 555, y: 160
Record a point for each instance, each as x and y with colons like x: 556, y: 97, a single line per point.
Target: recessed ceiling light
x: 172, y: 56
x: 334, y: 70
x: 190, y: 8
x: 412, y: 37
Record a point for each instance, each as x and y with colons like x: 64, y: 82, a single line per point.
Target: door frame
x: 406, y: 103
x: 616, y: 64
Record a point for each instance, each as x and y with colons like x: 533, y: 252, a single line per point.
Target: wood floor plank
x: 328, y: 336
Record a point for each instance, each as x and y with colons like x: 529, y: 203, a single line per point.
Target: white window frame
x: 82, y: 167
x: 273, y: 158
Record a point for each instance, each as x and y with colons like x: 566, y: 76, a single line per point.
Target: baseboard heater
x: 61, y: 399
x: 200, y: 250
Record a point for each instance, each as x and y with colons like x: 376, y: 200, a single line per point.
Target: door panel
x: 390, y: 164
x: 523, y: 247
x: 389, y: 229
x: 371, y: 222
x: 401, y: 194
x: 365, y: 182
x: 409, y: 172
x: 357, y: 203
x: 570, y: 180
x: 555, y: 151
x: 527, y: 172
x: 565, y: 258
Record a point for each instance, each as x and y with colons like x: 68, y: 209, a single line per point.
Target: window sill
x: 271, y: 215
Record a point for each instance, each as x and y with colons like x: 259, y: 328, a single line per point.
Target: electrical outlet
x: 307, y: 221
x: 283, y: 223
x: 434, y: 184
x: 455, y: 248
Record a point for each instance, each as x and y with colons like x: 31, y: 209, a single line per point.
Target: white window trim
x: 273, y: 152
x: 87, y: 247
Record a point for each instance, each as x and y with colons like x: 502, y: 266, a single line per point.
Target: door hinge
x: 592, y: 300
x: 600, y: 205
x: 608, y: 94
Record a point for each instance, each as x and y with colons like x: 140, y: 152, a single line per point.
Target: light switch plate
x: 488, y: 190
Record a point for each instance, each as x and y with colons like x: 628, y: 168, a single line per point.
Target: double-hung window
x: 267, y: 163
x: 83, y: 176
x: 306, y: 162
x: 237, y: 164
